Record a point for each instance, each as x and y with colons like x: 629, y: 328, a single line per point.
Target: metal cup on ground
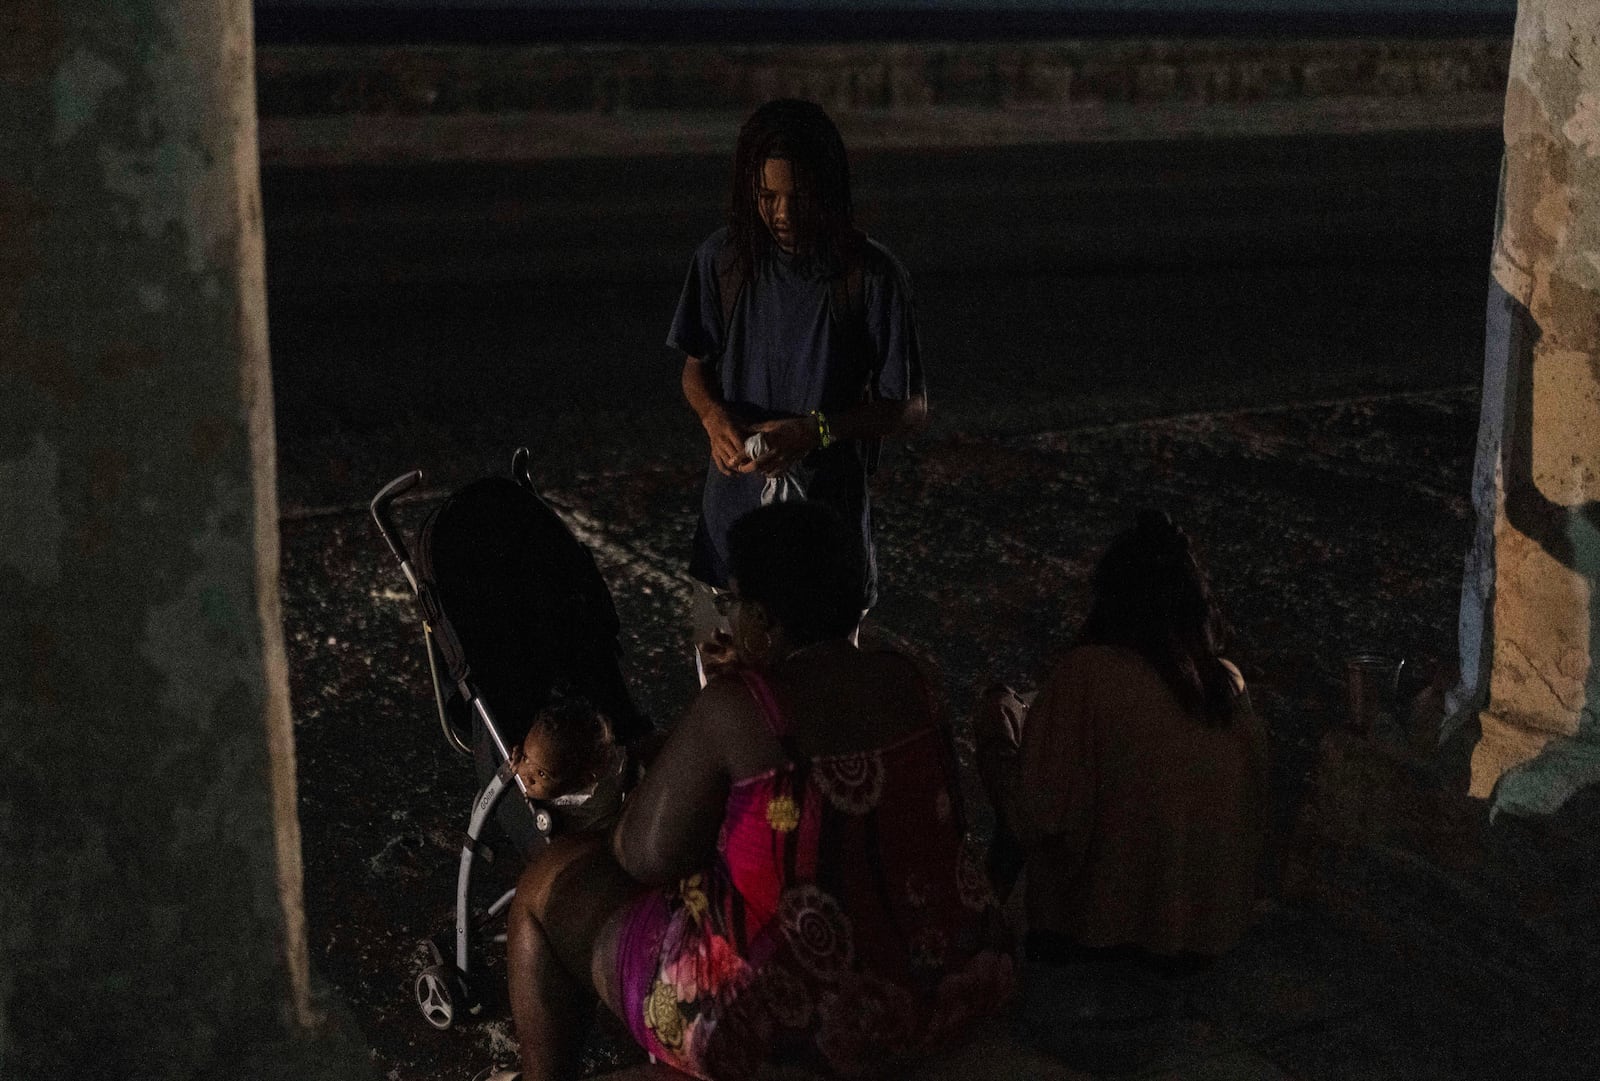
x: 1372, y: 685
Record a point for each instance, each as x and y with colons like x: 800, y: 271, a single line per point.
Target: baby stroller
x: 513, y: 610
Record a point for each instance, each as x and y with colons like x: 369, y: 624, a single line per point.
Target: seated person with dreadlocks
x: 1136, y: 781
x: 570, y: 762
x: 800, y: 346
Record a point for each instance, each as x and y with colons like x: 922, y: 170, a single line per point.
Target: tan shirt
x: 1143, y: 825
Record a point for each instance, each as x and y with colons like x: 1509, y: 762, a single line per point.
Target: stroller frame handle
x: 520, y: 471
x: 380, y: 513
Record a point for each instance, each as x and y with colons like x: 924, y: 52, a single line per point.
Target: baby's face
x: 535, y: 761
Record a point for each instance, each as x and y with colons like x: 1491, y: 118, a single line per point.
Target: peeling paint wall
x: 1531, y: 604
x: 150, y: 919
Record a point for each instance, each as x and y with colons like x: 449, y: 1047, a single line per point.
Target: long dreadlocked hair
x: 1151, y: 595
x: 800, y: 133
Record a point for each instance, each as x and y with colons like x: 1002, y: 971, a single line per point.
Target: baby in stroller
x: 570, y: 761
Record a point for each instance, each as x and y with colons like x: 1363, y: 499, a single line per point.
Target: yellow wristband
x: 824, y: 433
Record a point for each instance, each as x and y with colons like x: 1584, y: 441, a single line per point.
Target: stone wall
x: 325, y: 105
x: 313, y: 80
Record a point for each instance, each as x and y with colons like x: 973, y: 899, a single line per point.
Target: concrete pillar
x: 1531, y: 606
x: 150, y: 894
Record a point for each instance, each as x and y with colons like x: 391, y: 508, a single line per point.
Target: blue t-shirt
x: 785, y: 353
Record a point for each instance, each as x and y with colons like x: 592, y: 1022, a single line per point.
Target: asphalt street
x: 440, y: 314
x: 1276, y: 339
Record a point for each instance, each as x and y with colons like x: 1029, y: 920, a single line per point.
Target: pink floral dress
x: 846, y: 925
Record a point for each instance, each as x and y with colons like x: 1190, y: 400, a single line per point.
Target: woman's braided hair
x: 800, y: 133
x: 1151, y: 595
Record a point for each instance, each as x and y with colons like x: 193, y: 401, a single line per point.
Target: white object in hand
x: 782, y: 488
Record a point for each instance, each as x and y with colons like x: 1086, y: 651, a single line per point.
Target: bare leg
x: 560, y: 923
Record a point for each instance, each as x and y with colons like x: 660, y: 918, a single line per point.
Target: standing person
x: 797, y: 327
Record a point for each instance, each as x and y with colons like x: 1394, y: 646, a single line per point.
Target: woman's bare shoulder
x: 723, y: 704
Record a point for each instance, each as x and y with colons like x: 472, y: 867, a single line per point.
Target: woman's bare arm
x: 670, y: 821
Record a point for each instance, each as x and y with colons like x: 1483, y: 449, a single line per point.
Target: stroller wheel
x: 435, y: 995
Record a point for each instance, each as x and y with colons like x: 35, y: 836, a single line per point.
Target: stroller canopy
x: 521, y: 608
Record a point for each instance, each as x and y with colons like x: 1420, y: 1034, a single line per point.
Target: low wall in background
x: 325, y: 104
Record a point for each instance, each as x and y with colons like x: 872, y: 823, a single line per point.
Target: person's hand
x: 787, y: 442
x: 727, y: 443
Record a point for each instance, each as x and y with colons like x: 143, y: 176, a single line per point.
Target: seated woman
x: 1138, y: 793
x: 790, y: 882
